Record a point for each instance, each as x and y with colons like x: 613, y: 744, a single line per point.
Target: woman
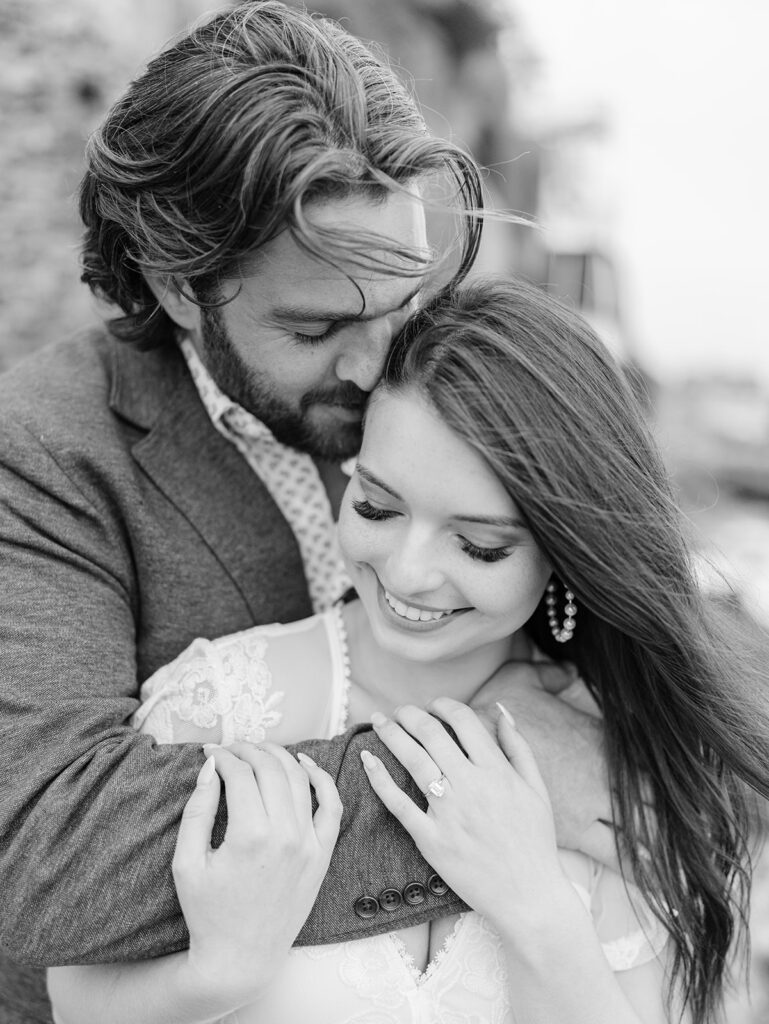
x: 508, y: 502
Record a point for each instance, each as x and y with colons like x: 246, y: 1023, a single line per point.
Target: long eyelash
x: 312, y: 339
x: 484, y: 554
x: 368, y: 511
x: 365, y: 509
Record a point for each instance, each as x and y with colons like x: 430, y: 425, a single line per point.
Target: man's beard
x: 290, y: 426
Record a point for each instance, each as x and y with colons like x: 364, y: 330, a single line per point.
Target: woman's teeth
x: 407, y: 611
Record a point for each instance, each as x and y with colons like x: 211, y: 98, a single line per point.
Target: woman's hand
x: 566, y: 734
x: 490, y: 833
x: 245, y: 902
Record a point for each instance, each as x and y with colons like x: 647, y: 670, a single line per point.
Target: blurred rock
x: 61, y: 64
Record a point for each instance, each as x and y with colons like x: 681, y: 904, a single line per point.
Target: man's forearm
x: 93, y: 884
x: 89, y: 808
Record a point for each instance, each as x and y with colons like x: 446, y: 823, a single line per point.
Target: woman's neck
x: 389, y: 680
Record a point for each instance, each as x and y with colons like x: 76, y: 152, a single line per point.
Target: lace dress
x: 284, y: 682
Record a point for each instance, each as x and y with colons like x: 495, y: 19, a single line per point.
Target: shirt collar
x: 222, y: 409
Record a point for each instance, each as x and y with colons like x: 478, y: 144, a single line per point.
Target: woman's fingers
x: 519, y: 753
x: 194, y: 839
x: 283, y: 788
x: 245, y: 807
x: 392, y: 796
x: 294, y: 776
x: 328, y: 816
x: 420, y: 743
x: 270, y: 766
x: 479, y: 746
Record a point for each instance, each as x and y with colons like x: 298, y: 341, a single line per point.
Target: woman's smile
x: 417, y: 617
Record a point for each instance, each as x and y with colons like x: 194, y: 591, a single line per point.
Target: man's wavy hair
x: 228, y: 135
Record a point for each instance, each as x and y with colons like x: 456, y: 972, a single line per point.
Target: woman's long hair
x: 526, y: 382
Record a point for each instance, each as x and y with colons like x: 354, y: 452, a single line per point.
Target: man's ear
x: 173, y: 294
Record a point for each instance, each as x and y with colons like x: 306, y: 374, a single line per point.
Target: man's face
x: 294, y: 346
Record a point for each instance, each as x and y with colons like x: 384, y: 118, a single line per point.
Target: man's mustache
x: 348, y: 395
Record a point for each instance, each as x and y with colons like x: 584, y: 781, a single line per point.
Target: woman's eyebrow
x: 509, y: 522
x: 372, y: 478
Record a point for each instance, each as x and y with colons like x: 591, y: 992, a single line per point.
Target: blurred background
x: 635, y: 135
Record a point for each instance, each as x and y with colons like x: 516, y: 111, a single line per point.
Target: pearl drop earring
x: 564, y: 632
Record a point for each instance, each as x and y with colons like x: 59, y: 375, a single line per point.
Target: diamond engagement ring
x: 437, y: 787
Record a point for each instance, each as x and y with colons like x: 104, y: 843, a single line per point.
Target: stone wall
x: 61, y: 64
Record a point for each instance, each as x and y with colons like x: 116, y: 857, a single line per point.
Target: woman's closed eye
x: 365, y: 509
x: 480, y: 554
x: 376, y: 514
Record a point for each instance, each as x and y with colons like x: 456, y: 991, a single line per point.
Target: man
x: 254, y: 207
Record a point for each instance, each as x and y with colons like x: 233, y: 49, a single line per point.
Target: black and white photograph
x: 384, y: 512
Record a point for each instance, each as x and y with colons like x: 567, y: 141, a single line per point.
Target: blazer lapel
x: 209, y: 482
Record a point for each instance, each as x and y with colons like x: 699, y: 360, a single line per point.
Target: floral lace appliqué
x: 373, y: 975
x: 420, y: 977
x: 222, y: 682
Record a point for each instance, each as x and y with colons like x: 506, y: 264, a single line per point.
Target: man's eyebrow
x: 311, y: 314
x: 506, y: 522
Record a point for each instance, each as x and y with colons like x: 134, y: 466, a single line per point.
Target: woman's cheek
x: 355, y: 535
x: 515, y: 591
x: 534, y: 576
x: 345, y: 531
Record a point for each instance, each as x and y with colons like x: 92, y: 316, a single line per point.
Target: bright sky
x: 686, y: 86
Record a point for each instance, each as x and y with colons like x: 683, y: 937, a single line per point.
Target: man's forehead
x: 288, y: 282
x: 347, y: 304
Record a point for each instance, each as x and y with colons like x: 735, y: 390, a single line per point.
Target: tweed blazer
x: 129, y: 526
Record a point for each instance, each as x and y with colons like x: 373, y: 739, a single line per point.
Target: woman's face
x: 434, y: 544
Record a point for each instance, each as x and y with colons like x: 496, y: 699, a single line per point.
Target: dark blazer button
x: 437, y: 886
x: 390, y: 899
x: 366, y: 907
x: 414, y: 894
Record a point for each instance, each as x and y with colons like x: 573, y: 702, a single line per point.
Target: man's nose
x: 363, y: 358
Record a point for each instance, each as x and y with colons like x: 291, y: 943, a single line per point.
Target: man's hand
x: 568, y: 747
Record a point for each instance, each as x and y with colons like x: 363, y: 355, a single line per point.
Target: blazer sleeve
x: 88, y: 808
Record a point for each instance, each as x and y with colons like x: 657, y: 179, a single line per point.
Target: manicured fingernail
x: 210, y: 746
x: 368, y: 759
x: 506, y: 714
x: 207, y: 772
x: 378, y: 719
x: 304, y: 759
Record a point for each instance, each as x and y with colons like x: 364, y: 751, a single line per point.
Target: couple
x: 507, y: 502
x: 253, y: 205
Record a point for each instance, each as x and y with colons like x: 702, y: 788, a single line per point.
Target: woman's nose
x: 413, y: 568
